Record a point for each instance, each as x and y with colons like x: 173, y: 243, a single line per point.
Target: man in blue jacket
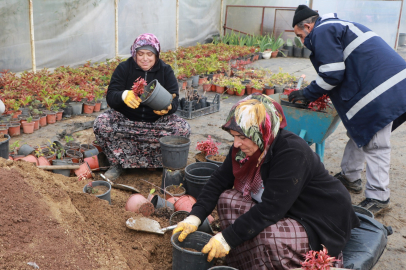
x: 365, y: 79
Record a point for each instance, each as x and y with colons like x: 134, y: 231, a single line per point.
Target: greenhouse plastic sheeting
x: 71, y: 32
x: 382, y: 17
x: 198, y: 20
x: 15, y: 52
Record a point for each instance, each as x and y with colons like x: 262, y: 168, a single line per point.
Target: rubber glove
x: 217, y: 247
x: 187, y: 226
x: 163, y: 112
x: 296, y: 96
x: 130, y: 99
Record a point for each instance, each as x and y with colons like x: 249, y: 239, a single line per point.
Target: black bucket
x: 183, y: 259
x: 4, y: 147
x: 197, y: 175
x: 172, y: 177
x: 175, y: 150
x: 200, y: 171
x: 65, y: 172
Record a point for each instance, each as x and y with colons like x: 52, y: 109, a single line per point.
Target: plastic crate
x: 190, y: 114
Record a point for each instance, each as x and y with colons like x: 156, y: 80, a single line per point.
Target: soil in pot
x: 200, y: 157
x: 177, y: 217
x: 99, y: 190
x: 176, y: 190
x: 218, y: 158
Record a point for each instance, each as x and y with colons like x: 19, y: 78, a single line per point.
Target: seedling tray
x: 190, y: 113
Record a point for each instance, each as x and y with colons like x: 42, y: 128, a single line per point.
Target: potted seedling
x: 209, y: 150
x: 28, y: 125
x: 100, y: 189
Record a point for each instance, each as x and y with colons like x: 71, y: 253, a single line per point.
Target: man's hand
x: 187, y: 226
x: 163, y: 112
x: 130, y: 99
x: 297, y: 96
x: 217, y: 247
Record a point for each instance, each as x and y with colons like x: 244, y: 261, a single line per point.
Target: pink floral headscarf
x: 143, y: 40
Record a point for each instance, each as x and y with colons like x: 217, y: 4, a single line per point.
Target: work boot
x: 114, y: 172
x: 354, y: 187
x: 375, y: 206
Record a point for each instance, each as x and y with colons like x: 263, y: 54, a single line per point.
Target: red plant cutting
x: 208, y: 147
x: 138, y: 86
x: 320, y: 104
x: 318, y: 260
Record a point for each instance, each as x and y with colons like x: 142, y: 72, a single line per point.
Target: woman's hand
x: 187, y: 226
x: 163, y: 112
x: 130, y: 99
x: 217, y: 247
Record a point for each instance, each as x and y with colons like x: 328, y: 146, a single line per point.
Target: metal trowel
x: 147, y: 225
x: 120, y: 186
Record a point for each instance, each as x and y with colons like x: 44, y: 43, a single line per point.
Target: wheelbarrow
x: 312, y: 126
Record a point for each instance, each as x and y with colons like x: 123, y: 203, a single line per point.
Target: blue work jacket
x: 363, y: 76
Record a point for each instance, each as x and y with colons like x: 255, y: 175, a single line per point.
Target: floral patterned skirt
x: 135, y: 144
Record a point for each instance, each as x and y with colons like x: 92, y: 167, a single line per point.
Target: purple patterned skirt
x: 136, y: 144
x: 279, y: 246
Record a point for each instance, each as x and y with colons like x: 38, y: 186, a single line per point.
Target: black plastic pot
x: 4, y: 147
x: 297, y: 52
x: 203, y: 102
x: 25, y: 150
x: 182, y: 103
x: 290, y: 50
x: 213, y: 161
x: 104, y: 196
x: 175, y: 150
x: 197, y: 175
x: 183, y: 259
x: 159, y: 98
x: 62, y: 162
x: 159, y: 202
x: 172, y: 177
x: 68, y: 111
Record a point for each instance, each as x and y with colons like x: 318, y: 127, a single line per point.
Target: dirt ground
x: 46, y: 218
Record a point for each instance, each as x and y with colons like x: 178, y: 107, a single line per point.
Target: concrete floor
x: 393, y: 257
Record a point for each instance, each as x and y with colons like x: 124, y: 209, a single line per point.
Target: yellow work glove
x: 217, y: 247
x: 163, y: 112
x: 187, y: 226
x: 130, y: 99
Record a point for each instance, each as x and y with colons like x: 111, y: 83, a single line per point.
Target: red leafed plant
x: 138, y: 86
x: 208, y: 147
x: 320, y: 104
x: 318, y: 260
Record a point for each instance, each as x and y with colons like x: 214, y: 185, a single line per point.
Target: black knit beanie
x: 302, y: 13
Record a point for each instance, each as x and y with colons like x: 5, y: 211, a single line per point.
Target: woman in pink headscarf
x: 129, y: 133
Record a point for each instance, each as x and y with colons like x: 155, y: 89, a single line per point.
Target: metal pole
x: 262, y: 21
x: 116, y: 24
x: 311, y: 4
x: 177, y: 24
x: 32, y: 41
x: 397, y: 31
x: 225, y: 21
x: 221, y: 16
